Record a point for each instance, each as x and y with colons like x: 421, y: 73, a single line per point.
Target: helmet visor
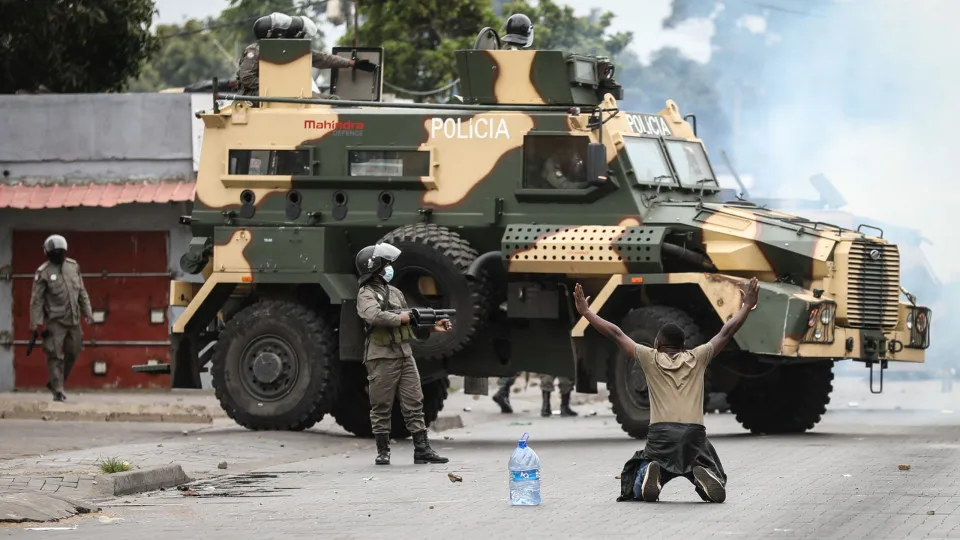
x: 386, y: 252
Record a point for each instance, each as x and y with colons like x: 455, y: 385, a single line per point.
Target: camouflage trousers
x: 546, y: 384
x: 387, y: 377
x: 62, y: 345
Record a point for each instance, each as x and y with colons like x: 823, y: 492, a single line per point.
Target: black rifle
x: 427, y: 317
x: 33, y: 339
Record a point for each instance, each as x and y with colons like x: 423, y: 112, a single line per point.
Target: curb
x: 40, y: 507
x: 443, y: 423
x: 63, y: 412
x: 138, y: 481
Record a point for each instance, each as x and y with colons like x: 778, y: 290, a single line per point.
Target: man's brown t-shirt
x: 675, y: 382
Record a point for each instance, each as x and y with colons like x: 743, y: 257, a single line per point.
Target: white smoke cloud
x: 867, y: 94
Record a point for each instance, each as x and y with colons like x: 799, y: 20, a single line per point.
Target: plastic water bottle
x: 524, y: 475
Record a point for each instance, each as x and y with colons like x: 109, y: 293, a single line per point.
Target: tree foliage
x: 200, y: 50
x: 419, y: 38
x: 187, y: 55
x: 75, y: 45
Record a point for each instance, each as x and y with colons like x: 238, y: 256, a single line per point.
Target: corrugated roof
x: 96, y: 195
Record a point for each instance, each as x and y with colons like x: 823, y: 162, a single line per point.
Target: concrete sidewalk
x: 175, y: 406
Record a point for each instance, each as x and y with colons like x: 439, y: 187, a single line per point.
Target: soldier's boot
x: 383, y: 449
x: 502, y: 398
x: 59, y: 396
x: 545, y: 410
x: 565, y: 409
x: 422, y: 453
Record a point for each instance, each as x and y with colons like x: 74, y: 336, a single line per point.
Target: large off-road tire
x: 275, y: 366
x: 352, y: 409
x: 437, y: 252
x: 627, y: 384
x: 791, y: 399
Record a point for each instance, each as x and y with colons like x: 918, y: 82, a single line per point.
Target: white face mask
x: 388, y: 274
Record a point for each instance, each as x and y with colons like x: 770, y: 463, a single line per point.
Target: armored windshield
x: 647, y: 160
x: 691, y: 164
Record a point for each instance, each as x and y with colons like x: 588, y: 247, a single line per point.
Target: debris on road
x: 617, y: 477
x: 467, y: 409
x: 520, y: 424
x: 454, y: 478
x: 107, y: 519
x: 222, y: 465
x: 903, y: 467
x: 931, y: 512
x: 190, y: 493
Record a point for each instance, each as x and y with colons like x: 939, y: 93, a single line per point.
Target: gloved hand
x: 365, y: 65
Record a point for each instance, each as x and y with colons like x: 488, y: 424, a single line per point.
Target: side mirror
x: 596, y: 164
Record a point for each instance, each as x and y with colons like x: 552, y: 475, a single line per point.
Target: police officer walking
x: 277, y: 26
x: 518, y: 33
x: 388, y: 358
x: 59, y: 299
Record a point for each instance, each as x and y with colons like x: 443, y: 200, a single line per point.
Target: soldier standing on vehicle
x: 388, y: 358
x: 59, y: 299
x: 519, y: 33
x: 278, y: 25
x: 677, y: 443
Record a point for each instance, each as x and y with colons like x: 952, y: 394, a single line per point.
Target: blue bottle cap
x: 522, y: 443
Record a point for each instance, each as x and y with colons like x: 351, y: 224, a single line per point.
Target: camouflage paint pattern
x: 307, y: 227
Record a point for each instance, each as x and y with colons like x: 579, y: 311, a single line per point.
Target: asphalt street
x: 843, y: 480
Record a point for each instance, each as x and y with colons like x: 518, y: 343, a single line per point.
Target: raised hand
x: 751, y: 293
x: 583, y: 304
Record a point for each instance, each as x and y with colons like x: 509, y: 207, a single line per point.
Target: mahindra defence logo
x: 347, y: 128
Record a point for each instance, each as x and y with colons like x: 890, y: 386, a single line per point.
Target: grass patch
x: 114, y: 465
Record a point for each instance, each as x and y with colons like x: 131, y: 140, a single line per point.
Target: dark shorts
x: 678, y: 448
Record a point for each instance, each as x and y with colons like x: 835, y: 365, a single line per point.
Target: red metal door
x: 126, y: 276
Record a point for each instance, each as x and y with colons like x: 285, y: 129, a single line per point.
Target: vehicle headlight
x: 910, y: 320
x: 818, y: 333
x: 826, y: 315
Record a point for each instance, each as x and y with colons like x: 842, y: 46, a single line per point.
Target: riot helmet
x: 302, y: 27
x: 55, y: 248
x: 272, y: 26
x: 518, y: 31
x: 371, y: 260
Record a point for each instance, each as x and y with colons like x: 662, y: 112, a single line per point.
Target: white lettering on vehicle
x: 480, y: 128
x: 648, y: 124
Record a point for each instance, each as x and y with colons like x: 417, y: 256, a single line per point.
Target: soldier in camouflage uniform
x: 387, y: 356
x: 278, y: 25
x: 59, y: 299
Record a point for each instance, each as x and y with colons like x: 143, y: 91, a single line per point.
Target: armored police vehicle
x: 531, y: 179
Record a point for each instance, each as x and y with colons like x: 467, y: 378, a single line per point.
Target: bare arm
x: 731, y: 327
x: 606, y: 328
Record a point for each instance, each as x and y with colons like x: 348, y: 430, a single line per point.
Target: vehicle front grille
x: 873, y: 285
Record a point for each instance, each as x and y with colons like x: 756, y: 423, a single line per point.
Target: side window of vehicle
x: 269, y: 162
x: 555, y: 162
